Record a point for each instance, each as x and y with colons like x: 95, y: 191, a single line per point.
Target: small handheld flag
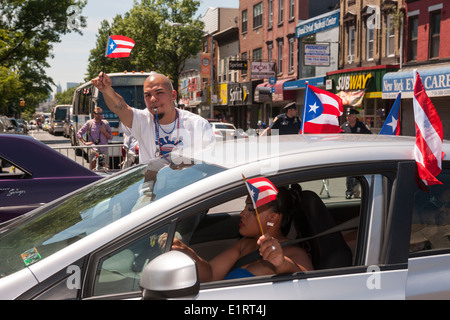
x: 261, y: 191
x: 119, y: 47
x: 321, y: 111
x: 392, y: 124
x: 429, y: 135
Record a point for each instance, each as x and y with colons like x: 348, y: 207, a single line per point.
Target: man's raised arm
x: 113, y: 100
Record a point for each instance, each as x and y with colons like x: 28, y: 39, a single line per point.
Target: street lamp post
x: 211, y: 105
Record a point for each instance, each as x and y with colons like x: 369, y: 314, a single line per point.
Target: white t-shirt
x: 188, y: 131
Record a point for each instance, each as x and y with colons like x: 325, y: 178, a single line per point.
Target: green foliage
x: 28, y: 29
x: 159, y: 46
x: 66, y: 96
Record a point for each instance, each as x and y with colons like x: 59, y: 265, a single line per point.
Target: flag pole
x: 254, y: 204
x: 304, y: 108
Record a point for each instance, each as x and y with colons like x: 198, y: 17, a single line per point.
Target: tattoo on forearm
x: 121, y: 105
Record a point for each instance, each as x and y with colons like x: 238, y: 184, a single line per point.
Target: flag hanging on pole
x: 119, y: 47
x: 429, y: 135
x: 321, y: 111
x: 392, y: 124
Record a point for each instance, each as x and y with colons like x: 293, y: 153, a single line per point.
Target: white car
x: 390, y: 241
x: 223, y: 130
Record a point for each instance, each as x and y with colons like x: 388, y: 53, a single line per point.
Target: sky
x: 71, y: 55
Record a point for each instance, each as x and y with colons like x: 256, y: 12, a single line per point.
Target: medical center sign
x: 321, y: 23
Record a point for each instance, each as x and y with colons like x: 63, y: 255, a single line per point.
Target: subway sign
x: 353, y: 82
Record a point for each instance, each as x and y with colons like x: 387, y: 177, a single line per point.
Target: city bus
x: 86, y: 97
x: 57, y: 118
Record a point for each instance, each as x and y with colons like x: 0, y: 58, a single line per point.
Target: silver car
x: 390, y: 240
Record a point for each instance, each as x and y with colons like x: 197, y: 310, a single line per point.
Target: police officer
x: 353, y: 125
x: 287, y: 122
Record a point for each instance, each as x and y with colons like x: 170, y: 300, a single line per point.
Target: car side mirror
x: 170, y: 275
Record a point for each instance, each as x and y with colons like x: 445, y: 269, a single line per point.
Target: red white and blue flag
x: 392, y: 124
x: 119, y: 47
x: 261, y: 191
x: 429, y: 135
x: 321, y: 111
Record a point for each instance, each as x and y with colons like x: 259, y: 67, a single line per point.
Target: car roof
x: 38, y: 159
x: 362, y: 147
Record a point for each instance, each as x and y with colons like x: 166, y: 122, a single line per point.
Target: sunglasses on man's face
x: 97, y: 113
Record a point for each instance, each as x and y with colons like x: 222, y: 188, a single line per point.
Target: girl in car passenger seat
x: 275, y: 217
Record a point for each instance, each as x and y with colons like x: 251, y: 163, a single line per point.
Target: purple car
x: 32, y: 174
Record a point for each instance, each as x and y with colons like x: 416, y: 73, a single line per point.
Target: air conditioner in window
x: 350, y: 58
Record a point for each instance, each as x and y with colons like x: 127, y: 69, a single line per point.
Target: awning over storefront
x: 301, y: 83
x: 264, y: 91
x: 436, y: 80
x: 280, y: 94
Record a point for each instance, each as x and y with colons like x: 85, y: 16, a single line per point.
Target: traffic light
x: 22, y: 103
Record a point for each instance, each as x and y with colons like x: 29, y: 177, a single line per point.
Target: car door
x: 380, y: 268
x: 429, y: 252
x: 379, y: 262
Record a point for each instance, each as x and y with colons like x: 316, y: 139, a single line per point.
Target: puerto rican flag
x: 321, y: 111
x: 119, y: 47
x: 429, y: 135
x: 261, y: 191
x: 392, y: 124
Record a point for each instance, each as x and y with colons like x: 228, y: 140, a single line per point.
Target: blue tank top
x: 239, y: 273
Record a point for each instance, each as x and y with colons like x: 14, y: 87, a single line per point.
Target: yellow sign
x: 355, y: 82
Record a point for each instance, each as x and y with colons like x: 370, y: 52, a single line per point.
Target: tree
x: 28, y: 28
x: 159, y: 46
x: 65, y: 97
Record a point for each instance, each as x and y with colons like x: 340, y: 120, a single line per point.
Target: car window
x: 430, y: 228
x: 120, y: 270
x: 211, y: 233
x: 10, y: 171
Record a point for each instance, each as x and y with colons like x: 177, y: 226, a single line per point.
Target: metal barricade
x: 80, y: 154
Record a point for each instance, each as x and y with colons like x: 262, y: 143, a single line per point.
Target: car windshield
x: 68, y: 220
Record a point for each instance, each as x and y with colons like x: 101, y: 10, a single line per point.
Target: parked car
x: 101, y: 241
x: 32, y: 174
x: 6, y: 125
x: 223, y: 130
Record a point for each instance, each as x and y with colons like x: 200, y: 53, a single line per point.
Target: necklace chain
x: 158, y: 126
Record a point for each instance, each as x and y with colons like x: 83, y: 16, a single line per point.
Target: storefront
x: 220, y: 102
x: 361, y: 88
x: 273, y: 97
x: 240, y: 104
x: 436, y: 80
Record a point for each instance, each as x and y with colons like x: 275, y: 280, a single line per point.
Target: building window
x: 280, y: 57
x: 257, y: 54
x: 291, y: 9
x: 257, y: 15
x: 291, y: 55
x: 390, y: 36
x: 280, y: 11
x: 205, y: 45
x: 351, y: 44
x: 413, y: 27
x: 369, y: 44
x: 435, y: 32
x: 244, y: 21
x: 270, y: 52
x: 270, y: 9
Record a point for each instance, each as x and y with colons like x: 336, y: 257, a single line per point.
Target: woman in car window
x: 275, y: 220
